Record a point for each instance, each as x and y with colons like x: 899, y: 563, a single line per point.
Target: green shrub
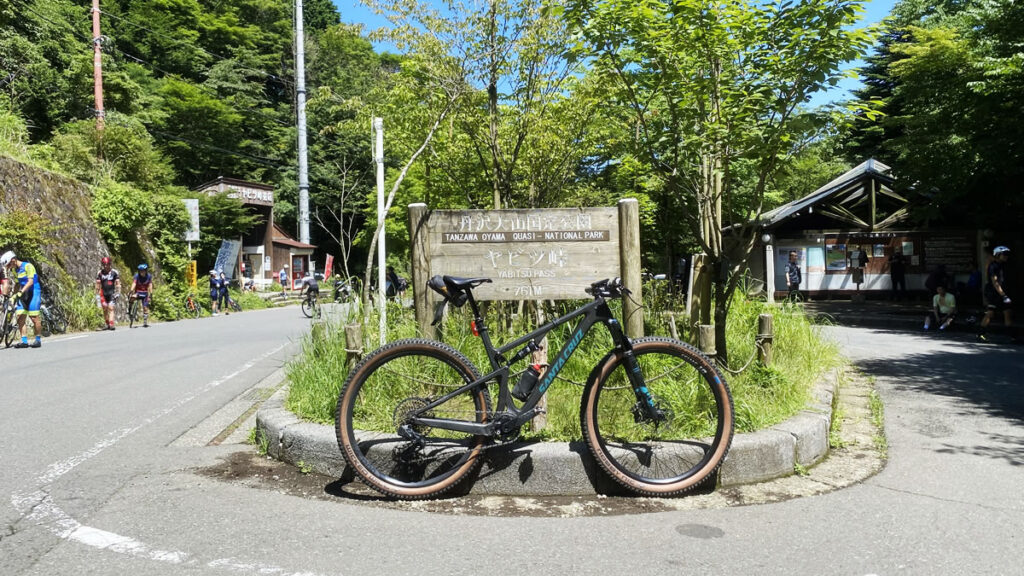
x: 26, y: 232
x: 119, y: 211
x: 81, y: 309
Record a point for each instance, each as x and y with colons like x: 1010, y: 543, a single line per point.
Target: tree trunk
x: 492, y: 103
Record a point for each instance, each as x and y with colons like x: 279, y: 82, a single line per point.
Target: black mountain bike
x: 414, y: 416
x: 134, y: 310
x: 52, y: 319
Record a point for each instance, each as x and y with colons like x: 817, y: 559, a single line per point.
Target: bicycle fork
x: 645, y: 409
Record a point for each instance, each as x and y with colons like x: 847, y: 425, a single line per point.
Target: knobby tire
x: 388, y: 387
x: 668, y: 457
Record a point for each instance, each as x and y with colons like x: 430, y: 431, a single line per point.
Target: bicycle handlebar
x: 608, y: 288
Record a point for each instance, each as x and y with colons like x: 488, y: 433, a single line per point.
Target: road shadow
x: 989, y: 377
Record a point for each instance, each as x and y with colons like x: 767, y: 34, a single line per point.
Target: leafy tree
x: 119, y: 211
x: 713, y: 90
x: 167, y: 229
x: 124, y: 152
x: 220, y: 217
x: 953, y: 94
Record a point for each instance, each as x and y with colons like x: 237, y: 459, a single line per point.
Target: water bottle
x: 527, y: 382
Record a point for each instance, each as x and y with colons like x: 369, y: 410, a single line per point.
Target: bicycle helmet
x: 1000, y: 250
x: 105, y: 261
x: 143, y: 267
x: 6, y: 259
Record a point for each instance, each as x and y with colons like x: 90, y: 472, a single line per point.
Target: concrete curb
x: 560, y: 468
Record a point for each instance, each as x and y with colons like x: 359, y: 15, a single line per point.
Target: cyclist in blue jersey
x: 142, y: 290
x: 215, y: 284
x: 27, y: 295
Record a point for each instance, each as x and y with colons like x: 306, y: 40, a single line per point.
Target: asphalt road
x: 99, y: 481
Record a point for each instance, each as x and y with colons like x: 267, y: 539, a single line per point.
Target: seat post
x: 481, y: 324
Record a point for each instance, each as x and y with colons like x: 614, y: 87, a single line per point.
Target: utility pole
x: 97, y: 64
x: 300, y: 90
x: 378, y: 158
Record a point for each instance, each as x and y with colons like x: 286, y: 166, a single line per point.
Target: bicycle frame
x: 594, y: 312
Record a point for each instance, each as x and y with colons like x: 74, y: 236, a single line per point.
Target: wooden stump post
x: 706, y: 341
x: 420, y: 265
x: 629, y: 261
x: 765, y: 336
x: 353, y: 343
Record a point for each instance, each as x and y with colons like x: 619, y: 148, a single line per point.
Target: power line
x: 271, y: 162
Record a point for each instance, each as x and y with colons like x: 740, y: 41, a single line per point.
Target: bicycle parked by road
x: 415, y: 416
x: 52, y: 316
x: 9, y: 324
x: 192, y: 307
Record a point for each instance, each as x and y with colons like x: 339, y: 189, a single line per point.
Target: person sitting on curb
x: 943, y: 309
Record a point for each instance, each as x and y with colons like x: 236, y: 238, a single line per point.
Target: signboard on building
x: 249, y: 195
x: 541, y: 254
x: 192, y: 205
x: 954, y: 251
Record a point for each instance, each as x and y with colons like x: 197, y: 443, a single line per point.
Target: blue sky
x: 352, y: 11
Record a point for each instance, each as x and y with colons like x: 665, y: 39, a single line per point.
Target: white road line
x: 52, y: 340
x: 39, y: 506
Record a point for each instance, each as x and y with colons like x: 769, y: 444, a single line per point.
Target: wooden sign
x: 542, y: 254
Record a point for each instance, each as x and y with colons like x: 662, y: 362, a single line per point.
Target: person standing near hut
x: 898, y: 274
x: 793, y: 277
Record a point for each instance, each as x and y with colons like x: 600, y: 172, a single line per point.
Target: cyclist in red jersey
x: 108, y: 289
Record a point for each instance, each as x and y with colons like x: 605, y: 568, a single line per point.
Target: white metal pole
x: 769, y: 272
x: 378, y: 127
x: 300, y: 92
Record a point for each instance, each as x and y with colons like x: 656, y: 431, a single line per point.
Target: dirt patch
x: 855, y: 458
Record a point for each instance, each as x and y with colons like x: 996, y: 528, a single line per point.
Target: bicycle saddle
x: 462, y: 283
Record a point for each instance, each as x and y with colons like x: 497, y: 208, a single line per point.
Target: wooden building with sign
x: 266, y: 248
x: 846, y: 233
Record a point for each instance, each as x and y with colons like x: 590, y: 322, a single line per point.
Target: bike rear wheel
x: 667, y: 457
x: 383, y: 391
x: 59, y: 322
x: 9, y: 327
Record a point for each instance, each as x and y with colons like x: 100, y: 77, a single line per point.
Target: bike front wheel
x: 384, y: 392
x: 133, y: 312
x: 10, y: 329
x: 308, y: 307
x: 676, y: 451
